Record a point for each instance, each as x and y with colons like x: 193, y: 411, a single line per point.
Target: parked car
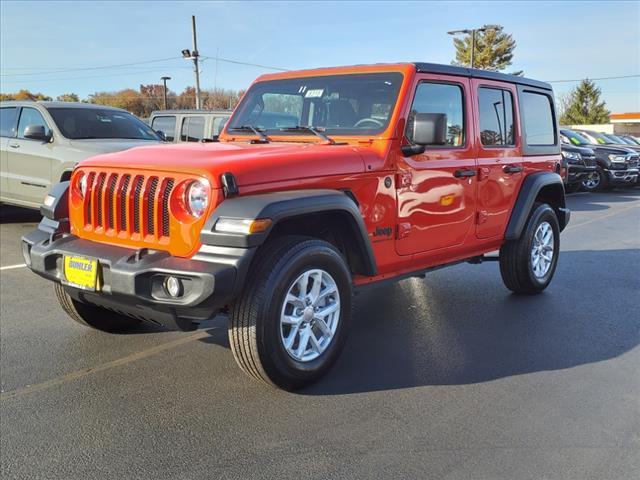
x: 189, y: 125
x: 579, y: 163
x: 630, y: 139
x: 390, y: 171
x: 614, y: 165
x: 607, y: 139
x: 41, y: 142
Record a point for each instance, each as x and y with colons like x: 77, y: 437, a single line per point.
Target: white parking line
x: 11, y: 267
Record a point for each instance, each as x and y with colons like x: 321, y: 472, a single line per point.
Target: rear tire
x: 289, y: 325
x: 92, y: 316
x: 527, y: 264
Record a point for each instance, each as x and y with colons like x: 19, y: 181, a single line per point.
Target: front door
x: 29, y: 161
x: 436, y: 190
x: 499, y: 158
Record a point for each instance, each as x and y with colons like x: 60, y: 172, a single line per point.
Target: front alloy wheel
x: 310, y: 315
x: 289, y: 325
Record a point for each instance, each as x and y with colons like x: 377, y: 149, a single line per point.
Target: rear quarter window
x: 538, y: 118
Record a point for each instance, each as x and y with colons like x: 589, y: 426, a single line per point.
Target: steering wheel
x: 377, y: 123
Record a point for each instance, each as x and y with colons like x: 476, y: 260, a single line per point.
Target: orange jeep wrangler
x: 323, y: 182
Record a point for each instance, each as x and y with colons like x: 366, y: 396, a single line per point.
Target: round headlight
x: 197, y: 198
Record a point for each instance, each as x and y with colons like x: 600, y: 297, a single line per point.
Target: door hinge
x: 403, y: 230
x: 403, y: 179
x: 482, y: 217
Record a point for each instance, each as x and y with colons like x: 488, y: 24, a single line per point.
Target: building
x: 619, y: 123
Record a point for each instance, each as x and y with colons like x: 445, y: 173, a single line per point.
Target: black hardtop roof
x: 423, y: 67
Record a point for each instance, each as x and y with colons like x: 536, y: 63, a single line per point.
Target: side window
x: 30, y: 116
x: 496, y: 117
x: 165, y: 124
x: 8, y: 121
x: 441, y: 98
x: 538, y: 119
x: 218, y: 124
x: 192, y: 129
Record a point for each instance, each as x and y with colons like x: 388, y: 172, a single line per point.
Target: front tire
x: 596, y: 182
x: 527, y: 264
x: 91, y: 316
x: 290, y: 323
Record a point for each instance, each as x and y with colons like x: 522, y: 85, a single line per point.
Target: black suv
x: 615, y: 165
x: 579, y: 164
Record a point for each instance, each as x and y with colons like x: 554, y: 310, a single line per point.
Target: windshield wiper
x: 315, y: 131
x: 249, y: 128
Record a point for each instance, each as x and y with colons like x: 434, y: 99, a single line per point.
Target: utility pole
x: 472, y: 32
x: 164, y: 91
x: 193, y: 55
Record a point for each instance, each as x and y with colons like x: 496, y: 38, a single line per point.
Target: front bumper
x: 577, y: 173
x: 132, y: 280
x: 628, y: 176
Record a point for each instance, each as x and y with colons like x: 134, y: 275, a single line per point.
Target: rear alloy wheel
x: 289, y: 325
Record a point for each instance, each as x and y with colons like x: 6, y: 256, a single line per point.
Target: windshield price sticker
x: 315, y: 93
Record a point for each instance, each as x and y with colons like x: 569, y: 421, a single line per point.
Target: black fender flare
x: 529, y: 191
x: 279, y: 206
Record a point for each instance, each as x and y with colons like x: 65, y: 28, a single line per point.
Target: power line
x: 601, y: 78
x: 237, y: 62
x: 78, y: 69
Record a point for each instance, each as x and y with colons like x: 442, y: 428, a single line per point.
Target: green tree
x: 68, y: 97
x: 493, y: 51
x: 584, y: 107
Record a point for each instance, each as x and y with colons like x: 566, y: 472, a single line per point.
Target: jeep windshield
x: 360, y: 104
x: 92, y: 123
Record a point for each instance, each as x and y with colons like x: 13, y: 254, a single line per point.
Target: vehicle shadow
x: 461, y: 326
x: 11, y: 214
x: 596, y: 201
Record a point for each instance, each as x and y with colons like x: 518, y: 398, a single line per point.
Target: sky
x: 555, y: 41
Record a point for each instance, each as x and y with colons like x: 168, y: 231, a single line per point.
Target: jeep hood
x: 250, y: 163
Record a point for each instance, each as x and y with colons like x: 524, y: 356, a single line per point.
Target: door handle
x: 14, y: 145
x: 512, y: 168
x: 464, y: 173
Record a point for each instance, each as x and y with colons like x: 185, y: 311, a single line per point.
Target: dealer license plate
x: 81, y: 272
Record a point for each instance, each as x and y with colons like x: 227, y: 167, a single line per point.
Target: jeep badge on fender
x: 294, y: 208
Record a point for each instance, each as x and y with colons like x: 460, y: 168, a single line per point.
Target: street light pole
x: 472, y: 32
x: 195, y: 56
x: 164, y: 91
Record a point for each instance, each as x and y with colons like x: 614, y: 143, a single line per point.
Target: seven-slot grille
x: 128, y: 204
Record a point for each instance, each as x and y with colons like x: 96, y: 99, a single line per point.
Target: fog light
x: 26, y: 253
x: 173, y: 286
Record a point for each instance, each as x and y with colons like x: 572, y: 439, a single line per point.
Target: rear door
x: 499, y: 155
x: 29, y: 161
x: 436, y: 190
x: 192, y: 129
x: 8, y: 124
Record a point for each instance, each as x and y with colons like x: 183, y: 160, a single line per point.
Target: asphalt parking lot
x: 446, y: 377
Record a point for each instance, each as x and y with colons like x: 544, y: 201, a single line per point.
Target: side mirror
x: 37, y: 132
x: 162, y: 135
x: 426, y: 129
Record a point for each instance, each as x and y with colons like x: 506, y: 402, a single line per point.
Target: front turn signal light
x: 244, y: 226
